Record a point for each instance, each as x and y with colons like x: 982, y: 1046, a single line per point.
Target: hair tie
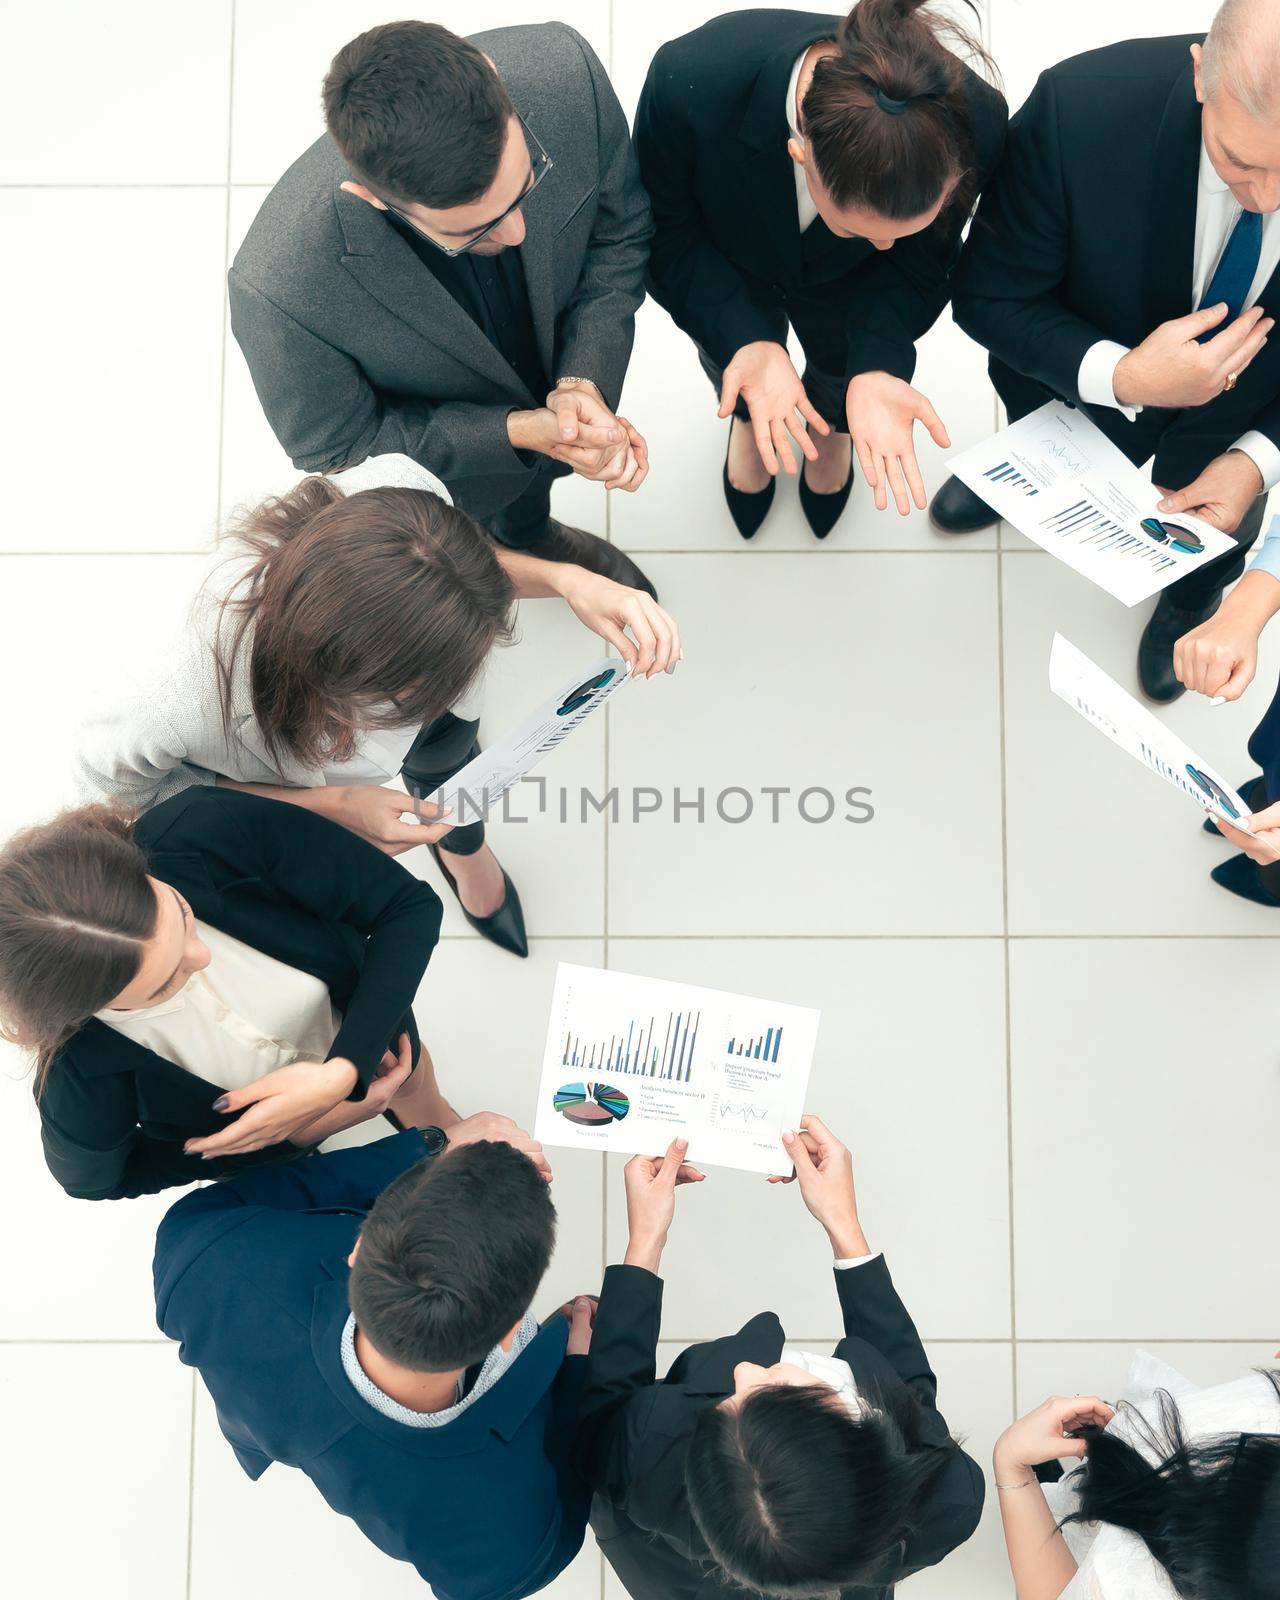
x: 895, y: 108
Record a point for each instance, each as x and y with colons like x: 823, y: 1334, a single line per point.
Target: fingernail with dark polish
x: 222, y: 1102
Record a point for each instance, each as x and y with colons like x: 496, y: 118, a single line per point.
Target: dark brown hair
x: 451, y: 1255
x: 76, y: 912
x: 369, y: 610
x: 895, y: 162
x: 419, y: 114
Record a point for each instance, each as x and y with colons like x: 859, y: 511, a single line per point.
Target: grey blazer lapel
x: 385, y: 267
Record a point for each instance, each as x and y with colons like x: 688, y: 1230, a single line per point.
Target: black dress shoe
x: 1167, y: 624
x: 956, y: 509
x: 747, y: 510
x: 503, y: 927
x: 1251, y: 792
x: 583, y: 549
x: 1241, y: 876
x: 822, y: 511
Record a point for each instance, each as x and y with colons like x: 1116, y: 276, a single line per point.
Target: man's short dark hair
x: 419, y: 114
x: 451, y: 1255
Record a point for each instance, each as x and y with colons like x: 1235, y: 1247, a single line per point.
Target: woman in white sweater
x: 344, y: 643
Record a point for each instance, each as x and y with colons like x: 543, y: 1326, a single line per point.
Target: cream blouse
x: 244, y: 1015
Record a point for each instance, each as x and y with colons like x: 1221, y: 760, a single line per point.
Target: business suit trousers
x: 819, y: 321
x: 524, y: 522
x: 440, y: 751
x: 1200, y: 589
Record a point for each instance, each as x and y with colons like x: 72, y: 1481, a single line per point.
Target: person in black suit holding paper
x: 817, y: 172
x: 754, y: 1467
x: 1124, y: 259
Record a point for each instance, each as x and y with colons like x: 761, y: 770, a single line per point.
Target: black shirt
x: 493, y: 293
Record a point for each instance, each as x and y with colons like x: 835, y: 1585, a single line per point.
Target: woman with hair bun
x: 813, y: 172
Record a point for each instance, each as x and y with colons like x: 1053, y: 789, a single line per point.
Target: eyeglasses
x: 540, y: 164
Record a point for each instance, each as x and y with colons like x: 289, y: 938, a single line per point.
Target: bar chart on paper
x: 1004, y: 472
x: 657, y: 1046
x: 1083, y: 524
x: 726, y: 1071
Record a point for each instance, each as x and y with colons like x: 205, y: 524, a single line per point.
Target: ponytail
x: 887, y: 116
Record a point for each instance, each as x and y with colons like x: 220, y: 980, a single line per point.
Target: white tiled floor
x: 1045, y: 1034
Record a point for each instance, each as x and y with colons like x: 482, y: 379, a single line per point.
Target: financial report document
x: 1058, y: 479
x: 1100, y: 700
x: 632, y: 1063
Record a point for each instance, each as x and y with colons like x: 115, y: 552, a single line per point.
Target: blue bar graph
x: 645, y: 1048
x: 1007, y: 474
x: 763, y: 1047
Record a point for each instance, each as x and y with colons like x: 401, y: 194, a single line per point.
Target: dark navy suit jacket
x: 251, y: 1276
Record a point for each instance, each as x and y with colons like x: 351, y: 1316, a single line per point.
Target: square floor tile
x: 115, y: 419
x: 1097, y: 844
x: 94, y: 1476
x: 131, y: 94
x: 974, y: 1388
x: 1146, y: 1089
x: 814, y: 677
x: 108, y: 614
x: 324, y: 1555
x: 916, y: 1088
x: 1101, y: 1369
x: 483, y: 1016
x: 78, y: 1269
x: 282, y: 55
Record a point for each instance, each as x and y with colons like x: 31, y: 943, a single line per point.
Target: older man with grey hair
x: 1125, y: 259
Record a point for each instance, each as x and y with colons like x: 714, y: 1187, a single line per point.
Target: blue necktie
x: 1235, y: 272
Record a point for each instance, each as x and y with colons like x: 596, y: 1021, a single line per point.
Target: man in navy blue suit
x: 364, y: 1316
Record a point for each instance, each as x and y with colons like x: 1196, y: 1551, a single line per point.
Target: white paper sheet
x: 1058, y: 478
x: 484, y: 781
x: 633, y: 1063
x: 1113, y: 711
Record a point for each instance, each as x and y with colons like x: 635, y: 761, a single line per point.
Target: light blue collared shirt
x: 1268, y: 557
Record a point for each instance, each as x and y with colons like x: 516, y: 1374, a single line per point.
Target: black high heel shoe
x: 503, y: 927
x: 747, y: 510
x: 822, y: 511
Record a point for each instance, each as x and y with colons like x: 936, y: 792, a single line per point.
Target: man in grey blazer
x: 452, y: 272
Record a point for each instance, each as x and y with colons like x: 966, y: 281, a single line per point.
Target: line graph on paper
x: 742, y: 1113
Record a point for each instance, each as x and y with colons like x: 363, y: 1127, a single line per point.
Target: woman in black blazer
x: 813, y: 171
x: 754, y: 1468
x: 106, y: 929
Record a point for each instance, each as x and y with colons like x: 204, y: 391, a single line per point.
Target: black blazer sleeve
x: 704, y: 292
x: 897, y: 297
x: 874, y: 1313
x: 620, y: 1372
x: 1007, y: 286
x: 340, y: 878
x: 121, y: 1162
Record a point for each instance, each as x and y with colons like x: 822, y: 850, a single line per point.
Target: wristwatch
x: 435, y: 1139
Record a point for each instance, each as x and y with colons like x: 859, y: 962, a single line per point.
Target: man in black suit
x: 1123, y: 259
x: 815, y: 171
x: 755, y: 1467
x: 452, y: 273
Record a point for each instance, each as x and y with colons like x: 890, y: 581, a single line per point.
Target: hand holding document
x: 1057, y: 478
x: 633, y: 1063
x: 1101, y: 701
x: 469, y: 794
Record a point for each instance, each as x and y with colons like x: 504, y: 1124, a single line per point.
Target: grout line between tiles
x: 191, y: 1486
x: 1007, y: 979
x: 226, y: 265
x: 878, y: 938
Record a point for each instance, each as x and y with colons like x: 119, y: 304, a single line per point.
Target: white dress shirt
x: 805, y: 208
x: 1217, y: 213
x: 243, y: 1015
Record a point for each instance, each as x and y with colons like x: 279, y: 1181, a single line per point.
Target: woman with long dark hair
x: 223, y: 981
x: 814, y: 172
x: 342, y: 647
x: 755, y: 1466
x: 1178, y: 1497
